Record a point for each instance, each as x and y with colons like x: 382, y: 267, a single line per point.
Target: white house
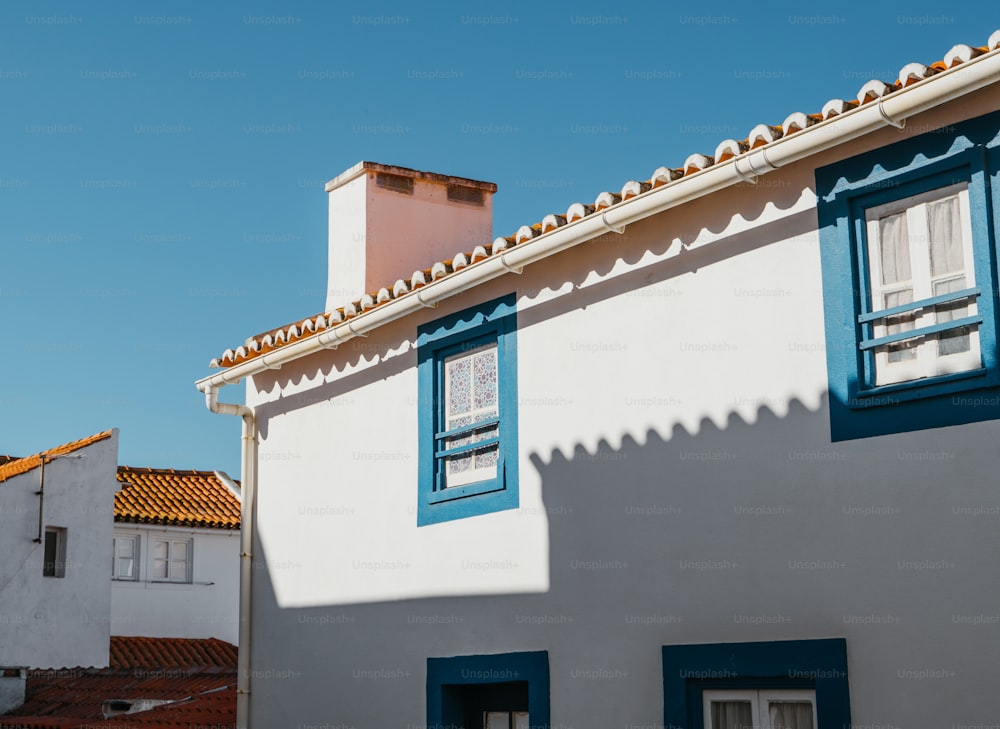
x: 175, y: 572
x: 715, y: 450
x: 55, y: 545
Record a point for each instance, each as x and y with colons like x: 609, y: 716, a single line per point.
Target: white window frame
x: 116, y: 572
x: 928, y: 362
x: 172, y: 576
x: 759, y: 699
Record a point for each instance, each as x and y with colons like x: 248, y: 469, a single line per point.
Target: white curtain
x: 790, y: 714
x: 732, y: 715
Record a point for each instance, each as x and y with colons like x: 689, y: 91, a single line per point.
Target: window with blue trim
x: 467, y: 376
x: 908, y: 248
x: 795, y: 684
x: 501, y: 691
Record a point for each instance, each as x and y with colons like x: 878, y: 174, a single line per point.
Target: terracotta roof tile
x: 176, y: 498
x: 18, y: 466
x: 760, y: 136
x: 198, y: 677
x: 191, y: 654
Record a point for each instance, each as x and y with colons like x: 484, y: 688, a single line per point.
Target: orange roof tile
x: 198, y: 677
x: 177, y: 498
x: 191, y: 654
x: 759, y: 136
x: 22, y: 465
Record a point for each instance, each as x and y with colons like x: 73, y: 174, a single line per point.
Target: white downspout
x: 248, y: 518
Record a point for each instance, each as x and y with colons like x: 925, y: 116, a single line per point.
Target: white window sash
x: 927, y: 362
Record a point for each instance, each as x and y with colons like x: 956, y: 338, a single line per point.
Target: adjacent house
x: 175, y: 572
x: 55, y: 546
x: 718, y: 449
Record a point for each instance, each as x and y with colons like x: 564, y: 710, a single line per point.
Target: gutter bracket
x: 508, y: 267
x: 433, y: 304
x: 746, y: 177
x: 350, y: 328
x: 620, y: 230
x: 886, y: 118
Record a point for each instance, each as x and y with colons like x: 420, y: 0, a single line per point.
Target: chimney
x: 387, y: 222
x: 12, y: 682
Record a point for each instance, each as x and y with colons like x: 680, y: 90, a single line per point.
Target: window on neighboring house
x: 125, y: 563
x: 503, y: 691
x: 467, y: 375
x: 794, y: 684
x: 766, y: 709
x: 54, y: 552
x: 908, y: 255
x: 172, y: 560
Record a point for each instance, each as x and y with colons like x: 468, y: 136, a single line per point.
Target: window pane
x: 180, y: 550
x: 51, y: 554
x: 902, y: 322
x: 732, y: 715
x: 485, y: 379
x: 521, y: 720
x: 790, y: 714
x: 894, y: 249
x: 458, y: 385
x: 956, y: 340
x: 945, y: 228
x: 161, y: 550
x: 126, y: 547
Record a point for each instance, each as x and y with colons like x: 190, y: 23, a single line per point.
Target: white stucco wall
x: 52, y: 622
x: 677, y: 485
x: 208, y: 607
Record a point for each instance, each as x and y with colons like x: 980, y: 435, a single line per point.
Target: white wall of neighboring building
x: 677, y: 485
x: 207, y: 607
x: 54, y: 622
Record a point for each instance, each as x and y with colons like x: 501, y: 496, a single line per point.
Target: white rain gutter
x: 248, y: 518
x: 891, y: 110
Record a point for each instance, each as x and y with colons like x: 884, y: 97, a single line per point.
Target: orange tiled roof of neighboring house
x: 191, y: 654
x: 196, y: 676
x: 177, y: 498
x: 760, y: 136
x: 18, y: 466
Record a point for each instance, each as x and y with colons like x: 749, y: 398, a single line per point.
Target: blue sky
x: 162, y: 168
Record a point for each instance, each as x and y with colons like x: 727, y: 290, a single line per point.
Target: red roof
x: 191, y: 654
x: 178, y: 498
x: 198, y: 677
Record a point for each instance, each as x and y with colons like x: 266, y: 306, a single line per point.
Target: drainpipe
x: 248, y: 517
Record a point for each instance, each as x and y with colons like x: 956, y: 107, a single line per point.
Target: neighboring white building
x: 724, y: 451
x: 55, y: 545
x: 175, y: 573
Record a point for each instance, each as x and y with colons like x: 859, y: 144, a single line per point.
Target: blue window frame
x: 467, y: 379
x: 921, y: 353
x: 460, y: 690
x: 819, y: 665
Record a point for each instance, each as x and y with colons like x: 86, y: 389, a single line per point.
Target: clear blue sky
x: 162, y: 166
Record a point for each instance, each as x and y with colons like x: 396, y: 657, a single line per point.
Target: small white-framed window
x: 54, y: 552
x: 125, y: 562
x: 172, y: 560
x: 505, y: 720
x: 759, y: 709
x: 920, y: 248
